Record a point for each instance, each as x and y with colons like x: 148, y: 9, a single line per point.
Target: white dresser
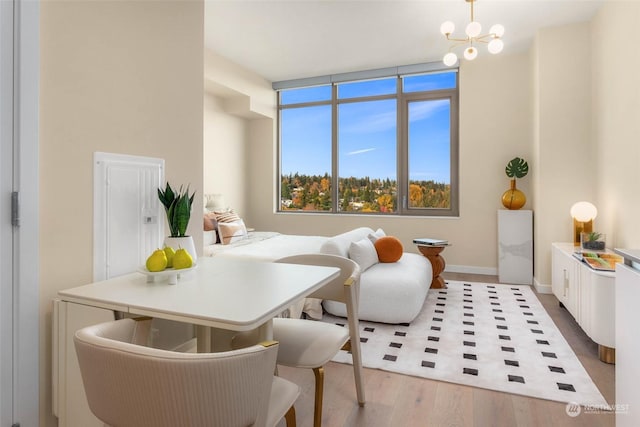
x: 588, y: 294
x: 627, y: 339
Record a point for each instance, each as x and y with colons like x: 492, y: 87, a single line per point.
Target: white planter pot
x: 185, y: 242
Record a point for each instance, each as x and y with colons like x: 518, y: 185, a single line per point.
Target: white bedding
x: 268, y: 246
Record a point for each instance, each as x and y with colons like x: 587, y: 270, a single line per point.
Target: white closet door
x: 128, y: 217
x: 6, y: 229
x: 19, y: 275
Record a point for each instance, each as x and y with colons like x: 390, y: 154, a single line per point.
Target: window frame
x: 454, y: 151
x: 402, y: 146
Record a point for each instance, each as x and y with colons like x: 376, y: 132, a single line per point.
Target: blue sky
x: 366, y: 135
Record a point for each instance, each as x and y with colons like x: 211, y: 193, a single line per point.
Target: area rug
x: 492, y: 336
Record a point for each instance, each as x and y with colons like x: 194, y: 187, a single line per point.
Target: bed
x: 265, y: 246
x: 225, y: 234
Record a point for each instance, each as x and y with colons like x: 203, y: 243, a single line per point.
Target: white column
x: 515, y: 246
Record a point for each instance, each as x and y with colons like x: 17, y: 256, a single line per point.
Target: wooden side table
x: 432, y: 252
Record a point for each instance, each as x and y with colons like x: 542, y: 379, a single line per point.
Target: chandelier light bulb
x: 450, y: 59
x: 447, y: 28
x: 473, y: 29
x: 495, y: 46
x: 497, y: 30
x: 470, y: 53
x: 474, y: 36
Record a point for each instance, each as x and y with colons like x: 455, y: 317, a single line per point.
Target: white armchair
x: 132, y: 385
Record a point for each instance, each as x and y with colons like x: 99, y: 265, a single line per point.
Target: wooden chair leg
x: 290, y: 417
x: 317, y: 410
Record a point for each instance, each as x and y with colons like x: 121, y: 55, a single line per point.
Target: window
x: 386, y: 146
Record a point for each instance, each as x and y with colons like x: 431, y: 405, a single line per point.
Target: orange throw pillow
x: 389, y: 249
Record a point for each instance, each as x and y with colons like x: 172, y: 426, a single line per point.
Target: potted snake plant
x: 177, y: 206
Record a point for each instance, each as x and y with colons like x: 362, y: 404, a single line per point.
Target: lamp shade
x: 450, y: 59
x: 473, y: 29
x: 583, y: 211
x: 495, y: 46
x: 447, y: 27
x: 497, y: 30
x: 470, y: 53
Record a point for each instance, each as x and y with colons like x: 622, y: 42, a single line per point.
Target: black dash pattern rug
x: 492, y: 336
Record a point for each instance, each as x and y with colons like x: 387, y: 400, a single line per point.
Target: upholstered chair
x: 127, y: 384
x: 310, y: 343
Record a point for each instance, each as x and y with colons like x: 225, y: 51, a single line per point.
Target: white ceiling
x: 283, y: 40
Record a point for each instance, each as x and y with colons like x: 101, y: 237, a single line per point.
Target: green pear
x: 182, y: 259
x: 170, y: 253
x: 157, y: 261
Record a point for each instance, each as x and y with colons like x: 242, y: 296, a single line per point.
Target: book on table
x: 599, y: 260
x: 430, y: 242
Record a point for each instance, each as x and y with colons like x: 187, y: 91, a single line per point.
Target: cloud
x: 365, y: 150
x: 422, y: 110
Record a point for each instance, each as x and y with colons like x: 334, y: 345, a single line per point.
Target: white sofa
x: 389, y: 292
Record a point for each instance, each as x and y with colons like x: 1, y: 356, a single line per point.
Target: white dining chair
x: 127, y: 384
x: 312, y: 344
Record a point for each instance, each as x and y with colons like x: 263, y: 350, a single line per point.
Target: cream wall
x: 586, y: 109
x: 225, y: 142
x: 121, y: 77
x: 616, y: 124
x: 246, y: 94
x: 564, y: 149
x: 234, y: 100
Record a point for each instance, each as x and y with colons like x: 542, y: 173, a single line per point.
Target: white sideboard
x: 515, y: 246
x: 627, y: 342
x: 588, y: 294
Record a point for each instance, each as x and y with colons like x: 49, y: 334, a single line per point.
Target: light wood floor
x: 404, y: 401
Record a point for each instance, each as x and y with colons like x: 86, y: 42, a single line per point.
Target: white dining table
x: 234, y: 295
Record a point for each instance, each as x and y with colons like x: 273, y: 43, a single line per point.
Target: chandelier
x: 473, y: 30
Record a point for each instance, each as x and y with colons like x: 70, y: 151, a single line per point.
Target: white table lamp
x: 583, y: 214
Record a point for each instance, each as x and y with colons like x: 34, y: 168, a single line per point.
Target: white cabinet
x: 589, y: 295
x: 563, y: 273
x: 627, y: 346
x: 515, y: 246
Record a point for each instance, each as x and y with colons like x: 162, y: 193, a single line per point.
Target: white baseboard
x: 541, y: 287
x: 489, y: 271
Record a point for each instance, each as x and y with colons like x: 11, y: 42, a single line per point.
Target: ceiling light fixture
x: 473, y: 30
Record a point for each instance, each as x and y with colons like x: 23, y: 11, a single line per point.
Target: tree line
x: 313, y: 193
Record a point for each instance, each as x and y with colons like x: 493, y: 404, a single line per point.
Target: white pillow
x: 376, y: 235
x: 214, y: 202
x: 232, y: 231
x: 363, y: 253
